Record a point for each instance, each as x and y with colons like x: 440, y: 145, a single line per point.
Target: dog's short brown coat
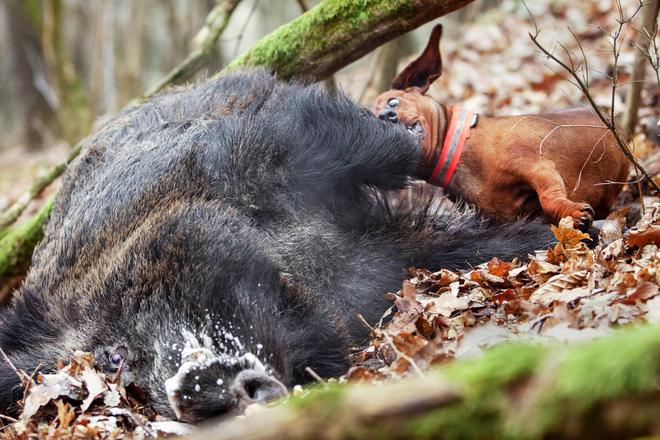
x: 558, y: 164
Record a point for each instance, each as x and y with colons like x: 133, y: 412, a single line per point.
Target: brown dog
x: 558, y: 163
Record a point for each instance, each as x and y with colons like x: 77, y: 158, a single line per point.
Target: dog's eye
x: 393, y: 102
x: 117, y: 357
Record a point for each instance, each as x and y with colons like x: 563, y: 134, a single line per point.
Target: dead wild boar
x: 219, y: 238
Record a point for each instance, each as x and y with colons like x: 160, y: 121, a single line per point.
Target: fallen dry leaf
x: 642, y: 237
x: 570, y: 293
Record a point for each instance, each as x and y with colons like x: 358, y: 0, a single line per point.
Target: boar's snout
x: 253, y: 386
x: 209, y: 389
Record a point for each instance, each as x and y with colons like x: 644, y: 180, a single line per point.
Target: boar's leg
x: 349, y: 149
x: 465, y: 247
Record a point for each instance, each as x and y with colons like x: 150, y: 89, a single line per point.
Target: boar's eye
x: 393, y: 102
x: 117, y: 356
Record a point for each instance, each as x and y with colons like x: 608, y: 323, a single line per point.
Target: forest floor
x: 569, y: 293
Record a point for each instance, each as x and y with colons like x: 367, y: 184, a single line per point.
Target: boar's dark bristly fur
x: 235, y: 225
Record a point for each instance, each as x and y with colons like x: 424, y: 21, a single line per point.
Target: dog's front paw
x: 583, y: 216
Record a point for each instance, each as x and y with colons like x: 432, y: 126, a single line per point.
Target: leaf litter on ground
x: 568, y: 293
x: 78, y: 401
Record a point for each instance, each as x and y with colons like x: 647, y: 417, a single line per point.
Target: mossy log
x: 16, y: 245
x: 607, y: 388
x: 337, y: 32
x: 315, y: 45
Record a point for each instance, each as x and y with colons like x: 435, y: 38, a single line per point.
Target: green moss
x: 322, y: 400
x: 331, y: 23
x: 565, y: 382
x: 624, y: 364
x: 34, y: 14
x: 484, y: 383
x: 628, y: 361
x: 18, y: 242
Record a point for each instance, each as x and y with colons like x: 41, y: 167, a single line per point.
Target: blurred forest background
x: 68, y: 65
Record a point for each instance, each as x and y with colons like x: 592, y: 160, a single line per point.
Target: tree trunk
x: 384, y: 68
x: 26, y: 57
x: 336, y: 32
x: 649, y: 16
x: 604, y: 389
x: 73, y: 112
x: 205, y: 43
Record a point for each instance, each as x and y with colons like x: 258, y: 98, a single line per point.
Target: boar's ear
x: 424, y: 69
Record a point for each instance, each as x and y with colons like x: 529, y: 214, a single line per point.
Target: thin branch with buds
x: 652, y: 52
x: 572, y: 68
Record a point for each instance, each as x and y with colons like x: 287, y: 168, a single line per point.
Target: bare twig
x: 608, y: 121
x: 314, y: 375
x: 11, y: 419
x: 652, y: 51
x: 303, y: 6
x: 117, y: 377
x: 239, y: 38
x: 545, y: 138
x: 584, y: 56
x: 556, y: 127
x: 364, y: 322
x: 22, y: 376
x: 12, y: 213
x: 584, y: 165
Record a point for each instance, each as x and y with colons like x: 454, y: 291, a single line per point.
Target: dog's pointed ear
x: 424, y: 69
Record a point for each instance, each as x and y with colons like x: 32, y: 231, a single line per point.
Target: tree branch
x: 17, y: 243
x: 11, y: 214
x: 337, y: 32
x: 216, y: 22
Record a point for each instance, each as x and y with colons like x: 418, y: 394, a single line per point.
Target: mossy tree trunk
x: 337, y: 32
x: 604, y: 389
x: 16, y: 246
x: 647, y: 31
x: 314, y: 45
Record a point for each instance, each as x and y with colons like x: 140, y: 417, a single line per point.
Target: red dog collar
x: 457, y: 134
